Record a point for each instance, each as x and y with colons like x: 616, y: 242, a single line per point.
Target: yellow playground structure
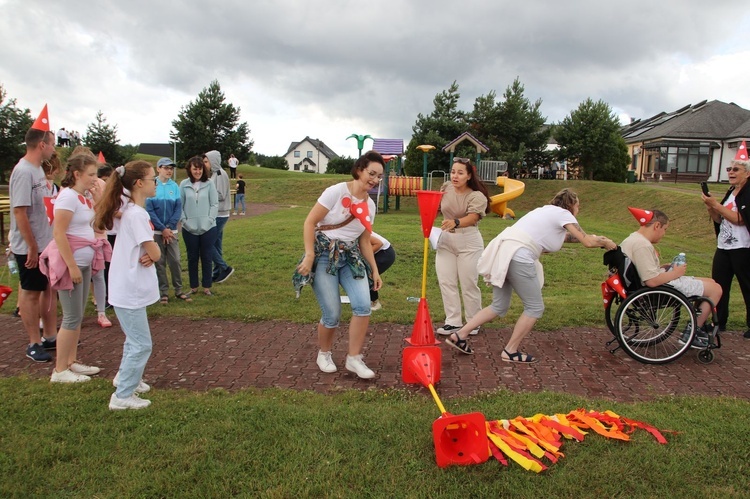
x: 511, y: 190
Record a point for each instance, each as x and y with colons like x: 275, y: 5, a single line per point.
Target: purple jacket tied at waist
x: 54, y: 267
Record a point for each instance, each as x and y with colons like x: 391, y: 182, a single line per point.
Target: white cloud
x: 331, y: 68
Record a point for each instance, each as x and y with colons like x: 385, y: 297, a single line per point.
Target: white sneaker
x: 141, y: 388
x: 68, y: 376
x: 375, y: 305
x: 132, y: 402
x: 356, y: 365
x: 79, y: 368
x: 325, y: 362
x: 235, y: 213
x: 243, y: 213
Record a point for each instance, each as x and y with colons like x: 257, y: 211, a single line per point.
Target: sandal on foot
x: 164, y: 300
x: 207, y: 292
x: 518, y: 356
x: 459, y: 344
x: 184, y: 297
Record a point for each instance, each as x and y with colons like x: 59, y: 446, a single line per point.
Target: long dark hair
x: 124, y: 177
x: 474, y: 183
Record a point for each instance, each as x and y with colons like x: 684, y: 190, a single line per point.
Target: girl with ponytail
x: 132, y: 276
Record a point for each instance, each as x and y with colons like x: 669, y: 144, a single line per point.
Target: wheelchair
x: 652, y: 325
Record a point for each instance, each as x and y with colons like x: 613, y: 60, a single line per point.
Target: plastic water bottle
x: 412, y: 299
x: 12, y: 263
x: 679, y: 260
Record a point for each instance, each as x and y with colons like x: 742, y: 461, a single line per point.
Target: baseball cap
x: 165, y: 162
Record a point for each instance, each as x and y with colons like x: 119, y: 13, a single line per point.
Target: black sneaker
x: 700, y: 340
x: 747, y: 334
x: 225, y: 275
x: 36, y: 353
x: 49, y: 344
x: 448, y: 329
x: 17, y: 312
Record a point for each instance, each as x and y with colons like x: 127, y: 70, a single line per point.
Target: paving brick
x: 234, y: 355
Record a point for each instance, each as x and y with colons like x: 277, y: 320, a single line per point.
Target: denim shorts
x: 326, y: 288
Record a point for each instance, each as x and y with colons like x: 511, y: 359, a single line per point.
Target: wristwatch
x: 457, y: 222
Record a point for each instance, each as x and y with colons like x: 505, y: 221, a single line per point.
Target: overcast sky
x: 330, y: 68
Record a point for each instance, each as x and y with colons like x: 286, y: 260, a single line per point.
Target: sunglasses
x: 463, y: 161
x: 734, y: 169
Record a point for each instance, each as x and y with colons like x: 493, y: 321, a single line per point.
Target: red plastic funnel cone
x: 615, y: 283
x: 460, y: 439
x: 429, y: 202
x: 101, y: 159
x: 421, y: 365
x: 422, y: 334
x: 5, y: 292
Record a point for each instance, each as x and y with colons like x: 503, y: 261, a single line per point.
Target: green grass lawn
x: 61, y: 441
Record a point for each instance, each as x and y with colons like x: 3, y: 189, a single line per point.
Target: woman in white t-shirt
x: 133, y: 284
x: 730, y: 217
x: 337, y: 246
x: 511, y: 263
x: 73, y: 215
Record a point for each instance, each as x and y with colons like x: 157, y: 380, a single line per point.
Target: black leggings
x: 728, y: 264
x: 383, y: 259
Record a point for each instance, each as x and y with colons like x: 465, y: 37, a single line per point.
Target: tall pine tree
x: 210, y: 123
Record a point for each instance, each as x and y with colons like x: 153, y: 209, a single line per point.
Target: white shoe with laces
x: 132, y: 402
x: 79, y: 368
x: 325, y: 362
x: 141, y: 388
x: 375, y: 305
x: 356, y: 365
x: 67, y: 376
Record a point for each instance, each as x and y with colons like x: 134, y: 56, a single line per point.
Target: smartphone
x: 704, y: 188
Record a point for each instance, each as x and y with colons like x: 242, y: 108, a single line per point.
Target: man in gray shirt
x: 30, y: 232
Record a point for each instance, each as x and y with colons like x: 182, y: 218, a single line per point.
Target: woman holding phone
x: 730, y: 217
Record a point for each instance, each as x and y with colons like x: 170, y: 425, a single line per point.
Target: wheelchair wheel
x: 650, y: 325
x: 609, y: 314
x: 706, y: 356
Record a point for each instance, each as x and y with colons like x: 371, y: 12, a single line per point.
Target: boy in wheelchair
x: 639, y: 247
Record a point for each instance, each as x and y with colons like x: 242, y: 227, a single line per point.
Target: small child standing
x: 133, y: 284
x: 239, y: 196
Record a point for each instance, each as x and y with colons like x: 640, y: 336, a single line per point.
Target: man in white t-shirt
x: 30, y: 232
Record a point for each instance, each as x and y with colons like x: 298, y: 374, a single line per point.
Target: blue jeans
x: 201, y: 246
x: 239, y: 199
x: 135, y: 352
x: 219, y: 264
x: 326, y: 288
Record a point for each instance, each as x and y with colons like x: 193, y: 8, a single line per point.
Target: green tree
x: 209, y: 123
x: 102, y: 137
x: 340, y: 165
x: 275, y: 163
x: 590, y: 138
x: 14, y: 123
x: 441, y: 126
x: 512, y: 129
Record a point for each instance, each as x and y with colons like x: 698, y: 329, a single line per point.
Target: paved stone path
x: 205, y: 354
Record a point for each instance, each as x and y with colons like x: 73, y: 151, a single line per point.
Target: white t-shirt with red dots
x: 82, y: 207
x: 341, y: 205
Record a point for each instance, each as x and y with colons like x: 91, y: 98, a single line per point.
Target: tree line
x: 512, y: 127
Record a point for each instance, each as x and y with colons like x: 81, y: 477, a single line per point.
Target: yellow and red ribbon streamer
x: 529, y: 440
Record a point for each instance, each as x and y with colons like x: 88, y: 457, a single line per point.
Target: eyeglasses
x: 156, y: 180
x: 167, y: 167
x: 463, y: 161
x: 734, y: 169
x: 375, y: 174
